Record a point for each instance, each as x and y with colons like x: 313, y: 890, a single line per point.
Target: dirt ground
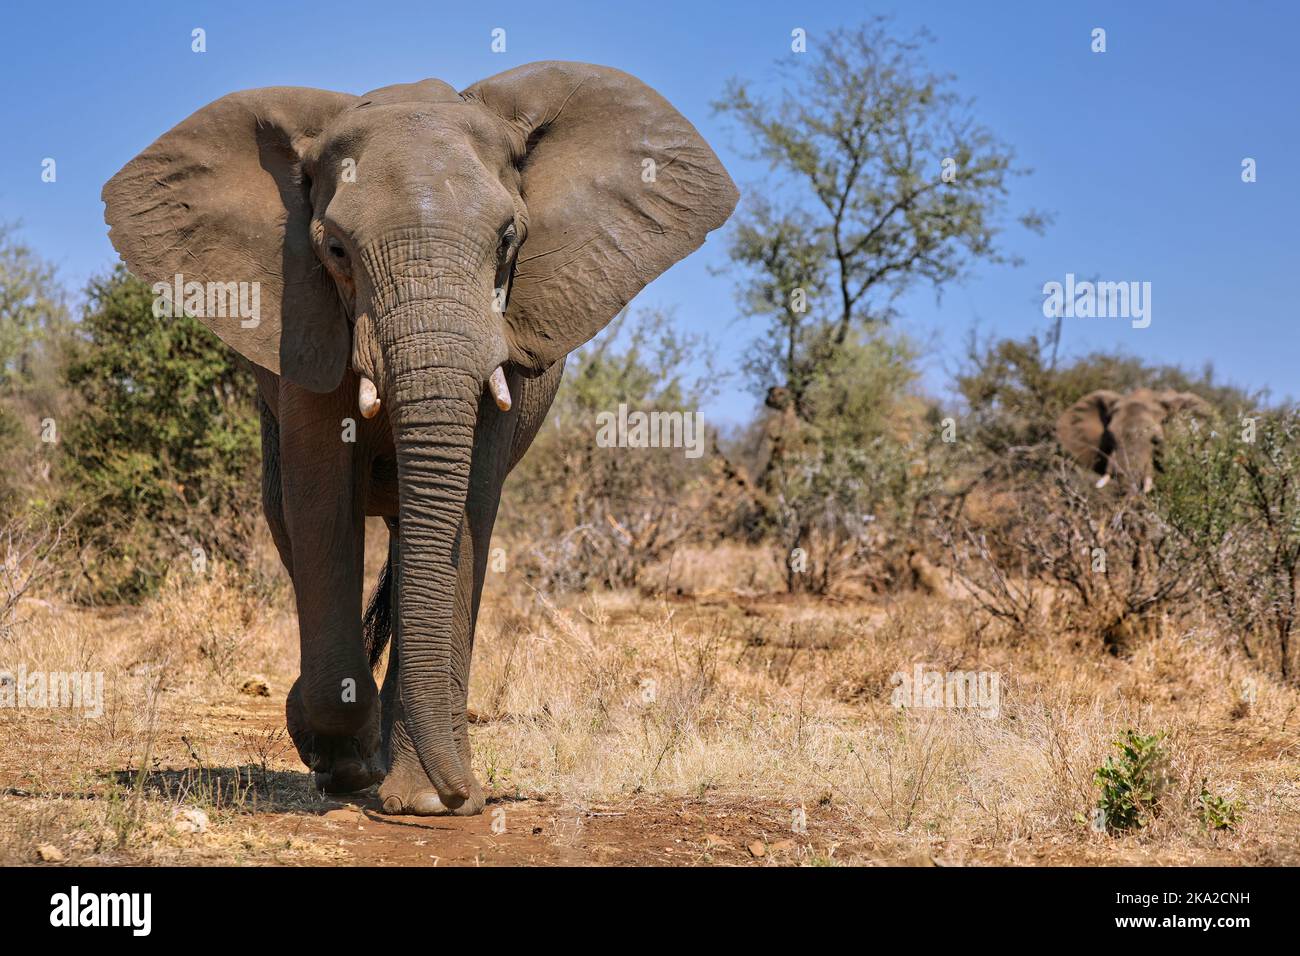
x: 721, y: 725
x: 279, y: 817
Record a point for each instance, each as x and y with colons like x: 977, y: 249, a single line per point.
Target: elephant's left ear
x: 618, y: 186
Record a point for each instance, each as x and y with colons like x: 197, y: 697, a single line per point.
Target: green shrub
x: 161, y: 458
x: 844, y: 478
x: 1133, y: 784
x: 1217, y: 812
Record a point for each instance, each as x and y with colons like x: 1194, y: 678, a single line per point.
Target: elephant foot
x: 340, y: 764
x: 343, y: 768
x: 414, y: 794
x: 407, y: 790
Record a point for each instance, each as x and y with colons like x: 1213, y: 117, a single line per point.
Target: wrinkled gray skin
x: 378, y: 227
x: 1119, y: 436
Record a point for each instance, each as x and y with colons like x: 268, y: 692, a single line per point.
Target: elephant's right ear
x: 1081, y: 429
x: 221, y: 199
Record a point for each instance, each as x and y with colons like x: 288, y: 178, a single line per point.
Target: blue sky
x: 1136, y: 151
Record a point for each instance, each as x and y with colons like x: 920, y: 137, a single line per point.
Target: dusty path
x: 534, y: 833
x: 529, y: 830
x: 272, y: 814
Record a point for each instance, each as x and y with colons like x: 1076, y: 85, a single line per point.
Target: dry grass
x: 789, y: 701
x: 711, y: 693
x: 176, y: 733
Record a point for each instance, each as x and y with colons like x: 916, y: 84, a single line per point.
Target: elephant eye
x: 336, y: 248
x: 507, y: 242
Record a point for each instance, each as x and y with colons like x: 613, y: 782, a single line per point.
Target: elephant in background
x: 427, y: 257
x: 1120, y: 436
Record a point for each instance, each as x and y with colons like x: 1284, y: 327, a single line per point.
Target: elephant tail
x: 377, y: 625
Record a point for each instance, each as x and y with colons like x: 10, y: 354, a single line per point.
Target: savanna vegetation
x: 685, y: 659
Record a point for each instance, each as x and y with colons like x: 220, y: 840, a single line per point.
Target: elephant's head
x: 430, y: 239
x: 1119, y: 436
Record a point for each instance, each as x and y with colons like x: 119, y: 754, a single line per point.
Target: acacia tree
x: 883, y: 179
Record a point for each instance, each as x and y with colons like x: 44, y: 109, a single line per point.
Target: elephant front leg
x: 332, y: 710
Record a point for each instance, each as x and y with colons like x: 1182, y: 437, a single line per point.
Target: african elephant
x: 428, y: 257
x: 1119, y: 436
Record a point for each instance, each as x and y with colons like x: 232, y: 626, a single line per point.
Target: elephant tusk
x: 368, y: 398
x: 500, y: 391
x: 1103, y: 481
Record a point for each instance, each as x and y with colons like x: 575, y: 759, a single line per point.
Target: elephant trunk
x: 433, y: 408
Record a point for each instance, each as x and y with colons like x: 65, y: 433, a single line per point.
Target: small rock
x: 758, y: 850
x: 49, y: 853
x: 256, y: 686
x: 190, y: 820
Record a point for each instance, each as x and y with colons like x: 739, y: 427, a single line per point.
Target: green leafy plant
x: 1217, y: 812
x: 161, y: 458
x: 1133, y: 783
